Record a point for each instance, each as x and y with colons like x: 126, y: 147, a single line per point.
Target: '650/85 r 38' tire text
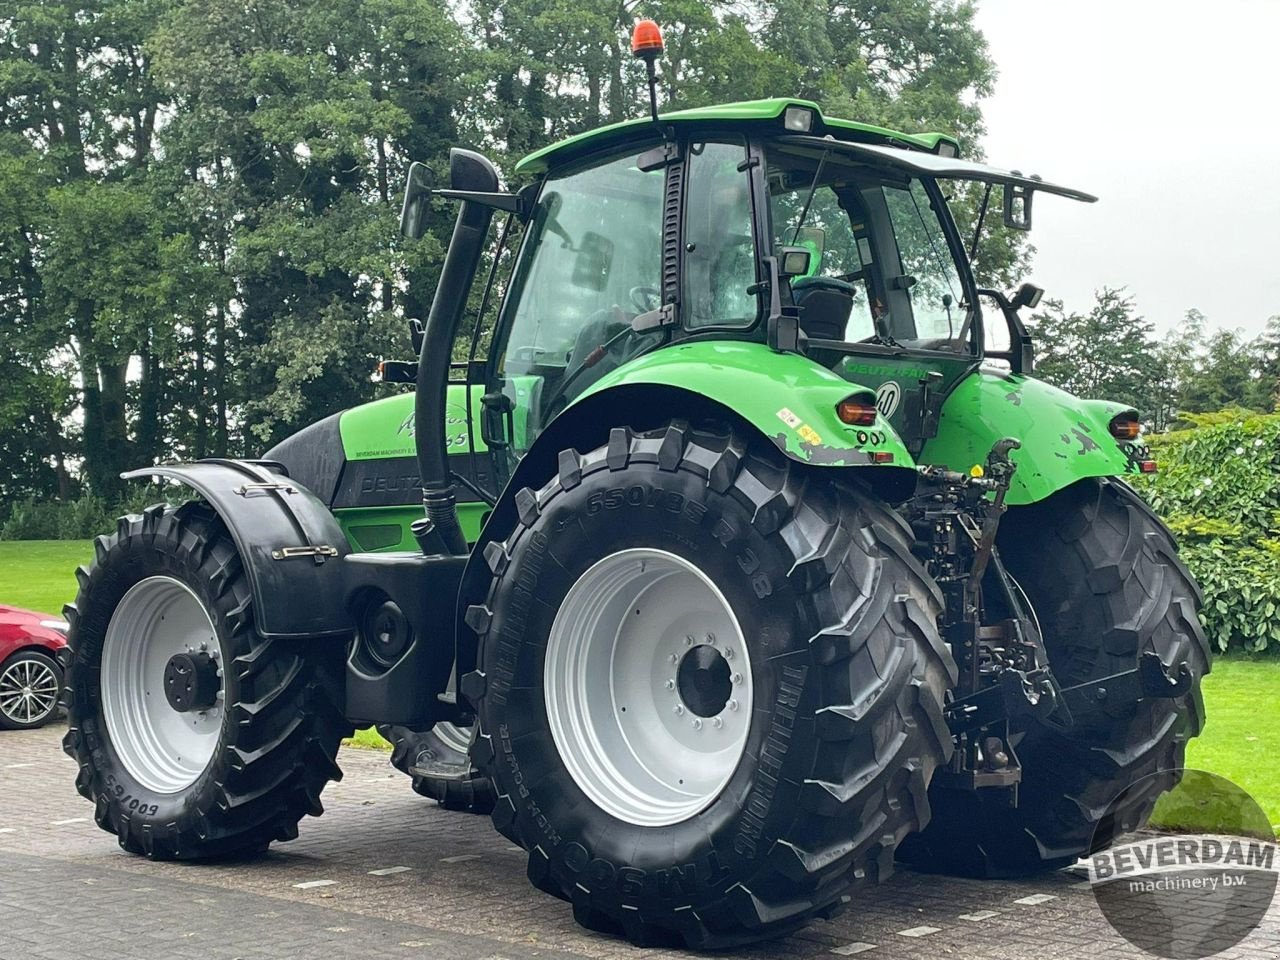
x: 710, y: 688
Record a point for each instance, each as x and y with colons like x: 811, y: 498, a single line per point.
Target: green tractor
x: 735, y: 562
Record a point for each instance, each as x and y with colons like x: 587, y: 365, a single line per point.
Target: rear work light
x: 857, y: 411
x: 1147, y: 466
x: 1125, y: 426
x: 798, y: 119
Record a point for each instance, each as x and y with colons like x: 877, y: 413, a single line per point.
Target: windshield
x: 881, y: 268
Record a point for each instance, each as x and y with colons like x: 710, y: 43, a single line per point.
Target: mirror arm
x: 510, y: 202
x: 783, y: 322
x: 1021, y: 355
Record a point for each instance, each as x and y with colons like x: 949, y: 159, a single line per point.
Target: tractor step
x: 439, y: 770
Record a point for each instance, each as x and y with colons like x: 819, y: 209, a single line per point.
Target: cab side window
x: 720, y: 261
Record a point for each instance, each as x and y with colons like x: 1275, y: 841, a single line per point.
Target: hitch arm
x: 1149, y: 680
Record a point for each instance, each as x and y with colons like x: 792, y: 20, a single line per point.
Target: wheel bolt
x: 711, y: 638
x: 675, y: 658
x: 671, y: 684
x: 689, y: 640
x: 728, y: 653
x: 733, y: 704
x: 717, y: 722
x: 737, y: 678
x: 697, y: 723
x: 679, y: 710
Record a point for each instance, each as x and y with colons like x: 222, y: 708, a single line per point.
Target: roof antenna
x: 646, y: 43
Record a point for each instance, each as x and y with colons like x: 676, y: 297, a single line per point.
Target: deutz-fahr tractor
x: 739, y: 555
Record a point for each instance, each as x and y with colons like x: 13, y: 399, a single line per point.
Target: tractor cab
x: 761, y: 223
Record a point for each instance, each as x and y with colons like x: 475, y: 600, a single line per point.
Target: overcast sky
x: 1167, y: 111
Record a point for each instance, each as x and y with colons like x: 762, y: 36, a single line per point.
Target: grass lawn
x: 41, y: 574
x: 1241, y: 738
x: 1242, y: 697
x: 368, y: 738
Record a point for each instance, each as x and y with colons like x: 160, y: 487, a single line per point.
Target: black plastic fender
x: 289, y: 542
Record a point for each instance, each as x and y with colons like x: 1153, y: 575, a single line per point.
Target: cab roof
x: 758, y: 114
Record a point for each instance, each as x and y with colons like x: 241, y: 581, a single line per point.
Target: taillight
x: 1125, y: 426
x: 859, y: 411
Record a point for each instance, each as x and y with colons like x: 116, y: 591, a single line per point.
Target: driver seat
x: 825, y: 304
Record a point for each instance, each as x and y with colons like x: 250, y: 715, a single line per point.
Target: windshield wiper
x: 813, y: 188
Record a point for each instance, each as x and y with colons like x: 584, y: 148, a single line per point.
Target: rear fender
x: 788, y: 398
x: 290, y: 544
x: 747, y: 385
x: 1064, y: 438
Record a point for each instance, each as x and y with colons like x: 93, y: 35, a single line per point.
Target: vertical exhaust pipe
x: 467, y: 171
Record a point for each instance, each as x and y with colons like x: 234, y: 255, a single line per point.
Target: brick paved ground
x: 385, y: 873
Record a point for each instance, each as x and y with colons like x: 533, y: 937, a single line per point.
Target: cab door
x: 590, y: 263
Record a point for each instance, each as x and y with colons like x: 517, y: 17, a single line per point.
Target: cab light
x: 857, y: 412
x: 1125, y: 426
x: 798, y: 119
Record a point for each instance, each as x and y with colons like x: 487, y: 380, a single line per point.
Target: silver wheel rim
x: 452, y: 736
x: 164, y: 750
x: 28, y: 691
x: 626, y: 722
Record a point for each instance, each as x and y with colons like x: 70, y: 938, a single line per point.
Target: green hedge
x: 71, y: 519
x: 1219, y: 490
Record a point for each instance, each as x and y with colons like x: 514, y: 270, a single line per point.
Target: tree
x: 1213, y: 370
x: 1107, y: 353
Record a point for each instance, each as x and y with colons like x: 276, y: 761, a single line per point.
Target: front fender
x: 290, y: 544
x: 1064, y: 438
x: 786, y: 396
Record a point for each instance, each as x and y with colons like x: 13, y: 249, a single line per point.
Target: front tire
x: 643, y: 796
x: 195, y: 737
x: 1103, y: 575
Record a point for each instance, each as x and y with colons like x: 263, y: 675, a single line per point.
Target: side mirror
x: 1017, y: 206
x: 417, y: 194
x: 1028, y: 295
x: 794, y: 261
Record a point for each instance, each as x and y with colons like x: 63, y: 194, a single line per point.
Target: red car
x: 30, y: 676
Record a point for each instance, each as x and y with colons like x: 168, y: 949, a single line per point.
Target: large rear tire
x: 1103, y: 575
x: 195, y: 737
x: 710, y: 688
x: 438, y: 762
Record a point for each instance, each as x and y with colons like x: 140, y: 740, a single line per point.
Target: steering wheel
x: 824, y: 283
x: 645, y: 299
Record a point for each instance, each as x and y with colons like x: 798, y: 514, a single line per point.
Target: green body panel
x: 372, y: 529
x: 745, y: 111
x: 788, y: 397
x: 385, y: 428
x: 1064, y: 439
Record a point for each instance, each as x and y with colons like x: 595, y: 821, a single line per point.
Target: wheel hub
x: 703, y: 680
x: 191, y: 681
x: 648, y: 689
x: 164, y: 733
